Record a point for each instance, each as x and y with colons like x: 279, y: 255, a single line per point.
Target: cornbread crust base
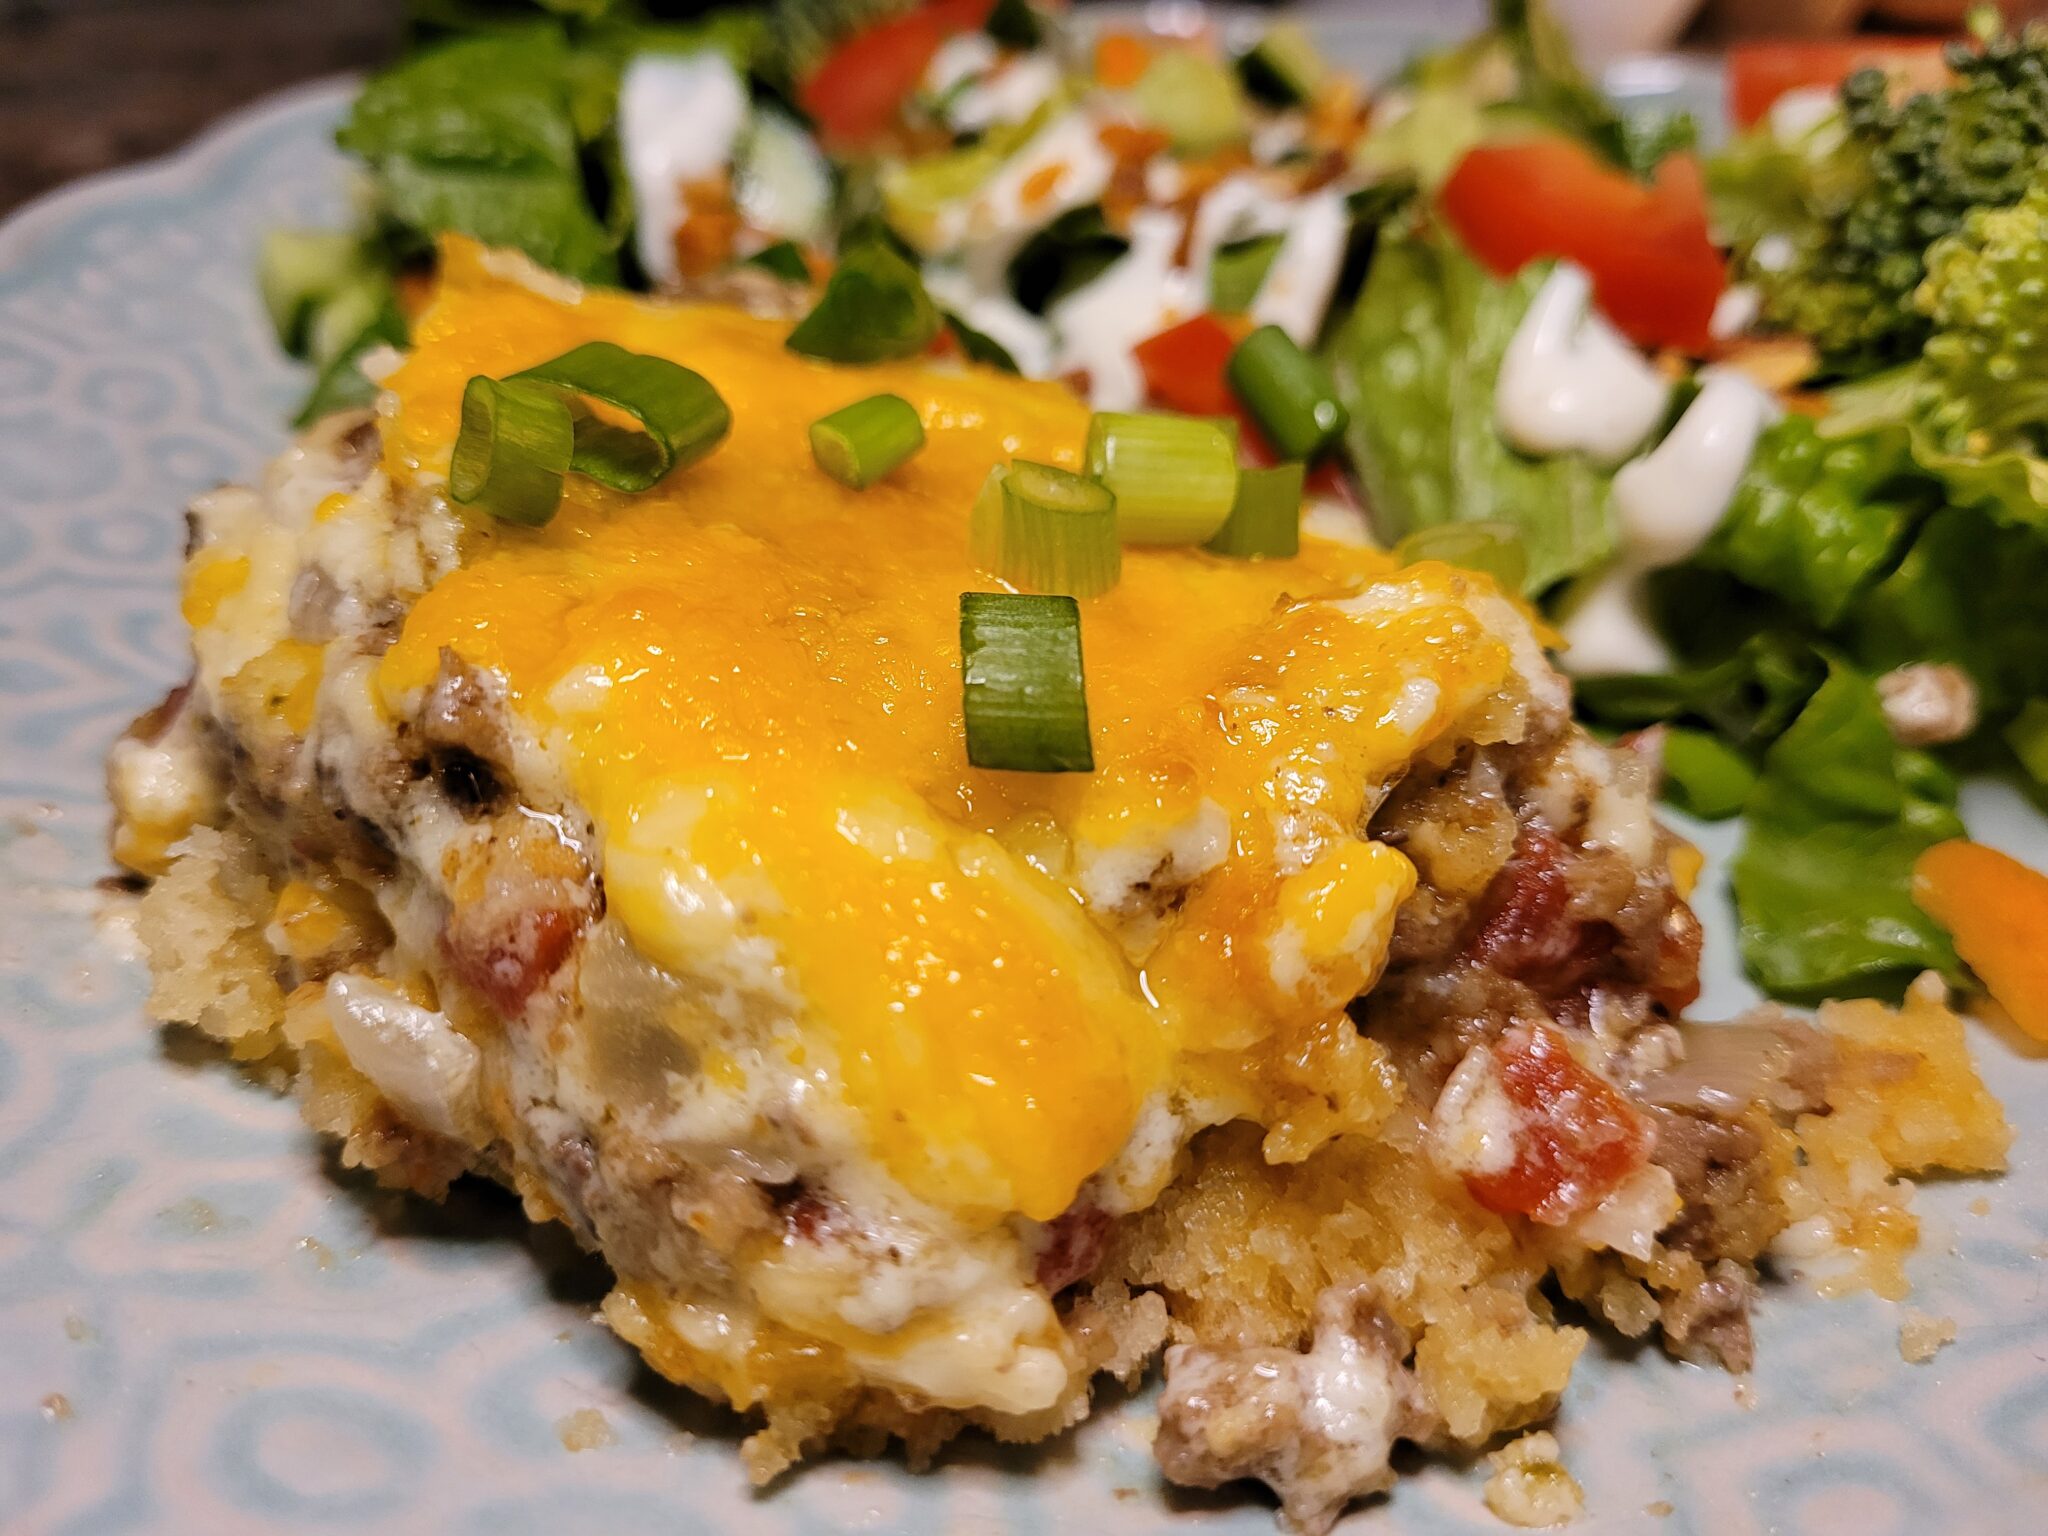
x: 1238, y: 1252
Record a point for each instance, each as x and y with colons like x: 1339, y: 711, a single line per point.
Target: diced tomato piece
x: 1759, y: 73
x: 1655, y: 271
x: 860, y: 88
x: 960, y: 15
x: 1575, y: 1137
x: 1526, y: 926
x: 1183, y: 366
x: 1074, y: 1242
x: 507, y: 958
x: 1674, y: 981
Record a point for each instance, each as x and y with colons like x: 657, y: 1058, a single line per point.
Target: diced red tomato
x: 507, y: 958
x: 1183, y: 366
x: 1074, y: 1243
x: 1759, y: 73
x: 859, y: 89
x: 1576, y: 1136
x: 1527, y: 929
x: 1655, y: 272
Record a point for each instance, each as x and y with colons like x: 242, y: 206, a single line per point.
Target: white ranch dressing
x: 1671, y: 498
x: 1666, y: 503
x: 1236, y: 208
x: 680, y: 115
x: 1298, y: 286
x: 1009, y: 94
x: 997, y: 316
x: 1735, y: 311
x: 1138, y: 295
x: 1570, y: 381
x: 1069, y: 148
x: 962, y: 57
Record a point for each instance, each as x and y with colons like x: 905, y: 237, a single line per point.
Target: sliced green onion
x: 1022, y: 690
x: 1265, y: 524
x: 1288, y: 392
x: 682, y: 418
x: 874, y: 308
x: 1174, y: 477
x: 1069, y: 253
x: 979, y: 346
x: 1237, y: 269
x: 299, y: 270
x: 2027, y: 735
x: 1046, y: 530
x: 513, y: 448
x: 783, y: 259
x: 1492, y: 547
x: 1285, y: 68
x: 1194, y: 100
x: 1703, y: 775
x: 860, y: 443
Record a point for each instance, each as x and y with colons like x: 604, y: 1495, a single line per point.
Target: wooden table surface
x: 89, y: 84
x: 86, y: 85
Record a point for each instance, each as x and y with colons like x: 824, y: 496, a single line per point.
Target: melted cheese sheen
x: 752, y: 676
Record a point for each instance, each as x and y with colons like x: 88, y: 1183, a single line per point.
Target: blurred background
x: 90, y: 84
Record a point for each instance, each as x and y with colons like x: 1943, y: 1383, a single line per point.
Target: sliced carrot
x: 1041, y: 184
x: 1996, y: 909
x: 1121, y: 59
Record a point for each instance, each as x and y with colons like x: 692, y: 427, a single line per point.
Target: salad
x: 1762, y: 433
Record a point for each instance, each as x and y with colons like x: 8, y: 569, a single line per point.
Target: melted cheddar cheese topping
x: 752, y: 675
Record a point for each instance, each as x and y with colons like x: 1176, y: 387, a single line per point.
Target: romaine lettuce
x: 1969, y: 591
x: 486, y: 137
x: 1823, y: 879
x: 1416, y: 363
x: 1816, y: 521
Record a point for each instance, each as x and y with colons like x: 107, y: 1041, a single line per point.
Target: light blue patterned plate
x: 205, y: 1327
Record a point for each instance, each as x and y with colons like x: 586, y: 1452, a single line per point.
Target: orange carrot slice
x: 1996, y: 909
x: 1120, y: 59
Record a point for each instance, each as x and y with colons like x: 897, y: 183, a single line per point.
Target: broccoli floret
x: 1986, y: 295
x: 1900, y: 175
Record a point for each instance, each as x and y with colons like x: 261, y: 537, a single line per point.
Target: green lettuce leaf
x: 1969, y: 591
x: 1704, y: 776
x: 1815, y: 521
x: 1415, y: 364
x: 339, y: 383
x: 1822, y: 881
x: 487, y: 137
x: 1748, y: 697
x: 874, y: 308
x: 2010, y: 484
x: 2005, y: 480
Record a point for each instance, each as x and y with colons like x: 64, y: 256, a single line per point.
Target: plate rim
x: 173, y: 170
